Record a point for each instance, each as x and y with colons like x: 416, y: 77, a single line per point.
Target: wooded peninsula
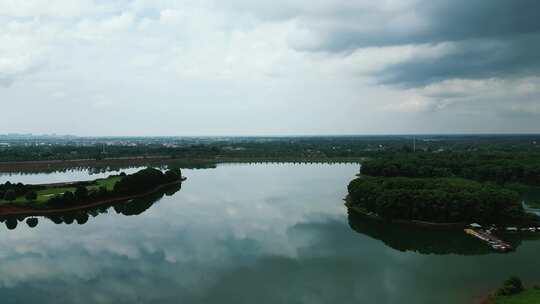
x: 447, y: 187
x: 20, y: 198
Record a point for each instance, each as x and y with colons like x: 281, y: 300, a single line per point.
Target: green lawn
x: 45, y: 194
x: 106, y: 182
x: 529, y: 296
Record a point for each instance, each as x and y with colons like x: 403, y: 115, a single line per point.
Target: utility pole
x: 414, y: 144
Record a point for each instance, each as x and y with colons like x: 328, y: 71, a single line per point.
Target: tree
x: 81, y: 193
x: 81, y: 218
x: 31, y: 196
x: 139, y: 182
x: 10, y: 195
x: 102, y: 192
x: 11, y: 223
x: 68, y: 197
x: 173, y: 175
x: 32, y: 222
x: 511, y: 286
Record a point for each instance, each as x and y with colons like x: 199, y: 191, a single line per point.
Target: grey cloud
x: 477, y: 59
x: 441, y: 20
x: 343, y: 24
x: 494, y: 38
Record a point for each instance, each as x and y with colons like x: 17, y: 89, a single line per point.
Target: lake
x: 276, y: 233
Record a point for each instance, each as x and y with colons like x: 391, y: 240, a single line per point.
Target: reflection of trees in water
x: 104, y: 166
x: 424, y: 240
x: 32, y: 222
x: 132, y: 207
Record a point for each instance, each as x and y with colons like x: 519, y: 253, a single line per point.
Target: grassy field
x: 45, y: 194
x: 106, y: 182
x: 529, y: 296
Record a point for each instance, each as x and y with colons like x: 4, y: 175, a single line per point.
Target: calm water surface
x: 246, y: 234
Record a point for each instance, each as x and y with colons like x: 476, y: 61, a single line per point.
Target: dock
x: 493, y: 241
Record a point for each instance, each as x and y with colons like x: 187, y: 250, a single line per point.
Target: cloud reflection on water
x: 238, y: 234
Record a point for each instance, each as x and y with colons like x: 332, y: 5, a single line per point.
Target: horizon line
x: 276, y: 135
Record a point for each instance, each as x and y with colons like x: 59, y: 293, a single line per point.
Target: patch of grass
x: 528, y: 296
x: 106, y: 182
x: 45, y: 194
x: 42, y: 195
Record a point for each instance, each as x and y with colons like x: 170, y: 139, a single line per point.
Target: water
x: 248, y: 234
x: 58, y: 177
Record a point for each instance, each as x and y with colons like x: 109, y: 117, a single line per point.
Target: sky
x: 243, y: 67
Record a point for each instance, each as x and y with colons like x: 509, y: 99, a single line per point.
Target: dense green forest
x: 499, y: 167
x: 448, y: 186
x: 442, y: 200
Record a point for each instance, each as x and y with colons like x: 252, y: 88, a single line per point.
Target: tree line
x: 318, y: 147
x: 10, y: 191
x: 499, y: 167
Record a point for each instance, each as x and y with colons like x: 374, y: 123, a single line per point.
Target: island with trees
x: 46, y: 198
x: 82, y: 214
x: 447, y: 188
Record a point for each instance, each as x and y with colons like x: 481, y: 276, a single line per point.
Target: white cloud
x: 206, y: 67
x: 38, y: 8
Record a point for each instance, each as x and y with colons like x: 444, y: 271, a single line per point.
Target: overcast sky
x: 244, y: 67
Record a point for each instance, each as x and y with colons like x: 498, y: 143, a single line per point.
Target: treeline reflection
x: 424, y: 240
x: 96, y: 167
x: 82, y: 216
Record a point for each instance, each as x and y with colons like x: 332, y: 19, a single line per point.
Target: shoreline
x: 457, y: 225
x: 134, y: 160
x: 42, y: 164
x: 10, y: 209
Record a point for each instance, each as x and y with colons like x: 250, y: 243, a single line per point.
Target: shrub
x: 10, y: 195
x: 511, y: 286
x: 81, y: 193
x: 68, y: 197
